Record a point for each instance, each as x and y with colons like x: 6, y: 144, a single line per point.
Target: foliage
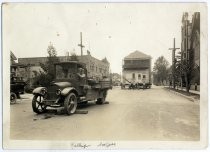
x: 186, y: 72
x: 161, y: 70
x: 183, y: 71
x: 74, y: 57
x: 48, y: 74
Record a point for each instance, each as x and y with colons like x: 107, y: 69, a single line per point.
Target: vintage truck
x: 70, y: 87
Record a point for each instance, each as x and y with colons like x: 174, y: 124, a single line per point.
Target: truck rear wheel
x: 70, y: 103
x: 102, y: 99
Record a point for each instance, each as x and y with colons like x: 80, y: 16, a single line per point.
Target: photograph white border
x: 21, y: 144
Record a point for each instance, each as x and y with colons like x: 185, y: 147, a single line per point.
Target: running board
x: 82, y: 98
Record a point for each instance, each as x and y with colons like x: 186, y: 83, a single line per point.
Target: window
x: 133, y: 76
x: 184, y: 54
x: 144, y: 76
x: 139, y: 76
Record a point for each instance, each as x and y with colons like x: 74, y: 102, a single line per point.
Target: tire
x: 13, y: 98
x: 37, y: 104
x: 102, y: 100
x: 70, y: 104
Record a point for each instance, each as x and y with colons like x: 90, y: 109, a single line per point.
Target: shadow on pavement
x: 82, y: 108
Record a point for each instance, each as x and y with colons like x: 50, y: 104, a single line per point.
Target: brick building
x: 137, y: 68
x: 95, y: 67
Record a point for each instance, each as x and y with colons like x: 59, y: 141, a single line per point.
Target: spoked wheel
x: 13, y: 98
x: 70, y: 103
x: 102, y: 99
x: 38, y: 105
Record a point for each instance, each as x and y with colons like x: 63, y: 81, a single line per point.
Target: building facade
x: 195, y: 38
x: 96, y: 68
x: 190, y: 46
x: 136, y: 68
x: 17, y: 69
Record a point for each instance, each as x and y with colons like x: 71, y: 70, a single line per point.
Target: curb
x: 180, y: 94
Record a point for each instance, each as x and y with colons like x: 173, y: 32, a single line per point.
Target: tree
x: 48, y: 74
x: 187, y: 70
x: 74, y: 56
x: 161, y: 70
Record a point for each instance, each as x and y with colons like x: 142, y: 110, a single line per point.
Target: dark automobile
x: 70, y: 87
x: 16, y: 88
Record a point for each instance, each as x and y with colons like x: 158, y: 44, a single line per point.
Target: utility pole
x: 173, y: 63
x: 80, y: 45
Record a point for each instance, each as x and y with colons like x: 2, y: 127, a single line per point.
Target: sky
x: 111, y: 30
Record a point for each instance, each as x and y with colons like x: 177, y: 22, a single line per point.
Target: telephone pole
x: 81, y: 45
x: 173, y: 63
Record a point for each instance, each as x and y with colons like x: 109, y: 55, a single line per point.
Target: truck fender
x: 67, y: 90
x: 40, y: 90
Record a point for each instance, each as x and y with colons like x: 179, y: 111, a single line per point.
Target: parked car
x: 16, y: 88
x: 70, y: 87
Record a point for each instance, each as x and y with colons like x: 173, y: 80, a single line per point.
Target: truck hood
x: 62, y: 84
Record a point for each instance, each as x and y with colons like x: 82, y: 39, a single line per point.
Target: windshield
x: 65, y: 71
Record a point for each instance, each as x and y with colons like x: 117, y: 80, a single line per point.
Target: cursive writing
x: 106, y: 144
x: 80, y: 145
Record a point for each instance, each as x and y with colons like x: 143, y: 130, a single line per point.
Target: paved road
x: 153, y: 114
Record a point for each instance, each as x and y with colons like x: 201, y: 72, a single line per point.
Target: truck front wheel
x: 37, y: 104
x: 70, y: 103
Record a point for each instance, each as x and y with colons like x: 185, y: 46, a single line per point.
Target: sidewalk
x: 191, y: 91
x: 195, y: 92
x: 184, y: 89
x: 192, y: 95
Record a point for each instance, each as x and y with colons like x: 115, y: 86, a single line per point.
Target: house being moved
x: 136, y: 68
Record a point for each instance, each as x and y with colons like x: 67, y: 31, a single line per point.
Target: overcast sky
x: 109, y: 30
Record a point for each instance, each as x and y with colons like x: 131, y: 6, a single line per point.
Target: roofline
x: 61, y: 56
x: 13, y: 55
x: 67, y: 62
x: 18, y: 65
x: 144, y: 58
x: 47, y: 57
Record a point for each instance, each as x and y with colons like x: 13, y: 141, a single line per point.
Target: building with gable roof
x: 136, y: 68
x: 12, y: 58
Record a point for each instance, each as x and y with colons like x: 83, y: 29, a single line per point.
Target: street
x: 151, y: 114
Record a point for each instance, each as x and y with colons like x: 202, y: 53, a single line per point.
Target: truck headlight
x: 43, y: 91
x: 58, y: 92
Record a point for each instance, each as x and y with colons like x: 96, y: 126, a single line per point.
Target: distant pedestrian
x: 143, y: 81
